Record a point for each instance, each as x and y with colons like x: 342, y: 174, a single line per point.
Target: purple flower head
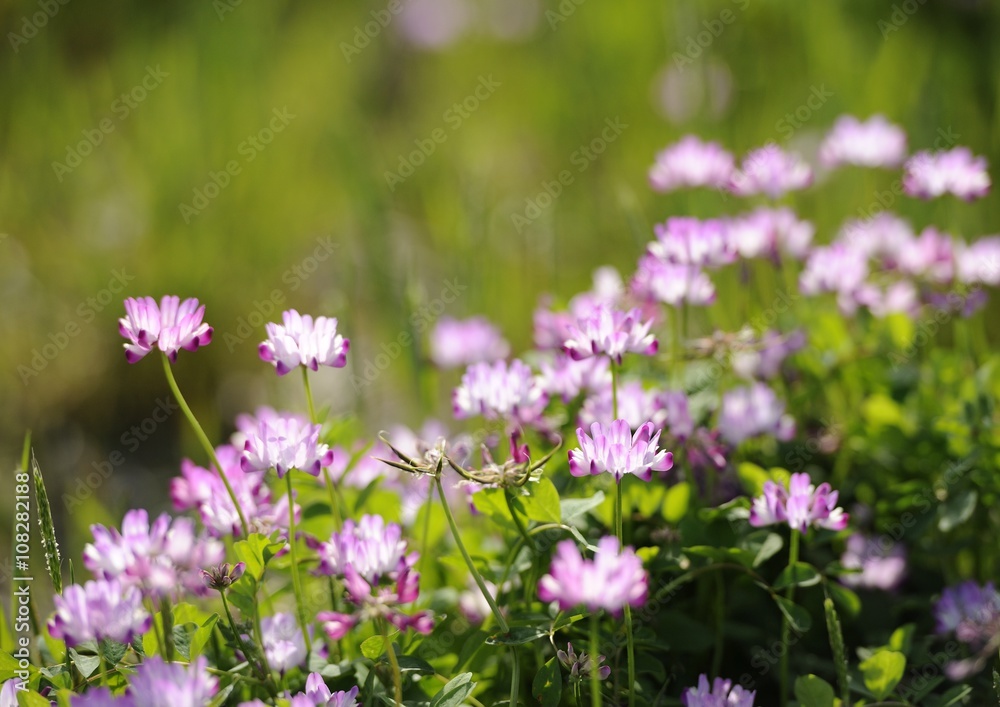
x: 931, y: 256
x: 614, y: 449
x: 929, y: 175
x: 378, y: 601
x: 170, y: 326
x: 93, y: 697
x: 98, y: 610
x: 283, y: 642
x: 768, y: 232
x: 457, y: 343
x: 836, y: 268
x: 371, y: 546
x: 979, y: 263
x: 882, y: 562
x: 755, y: 410
x: 285, y: 443
x: 303, y: 341
x: 897, y: 297
x: 224, y: 575
x: 610, y: 332
x: 498, y: 390
x: 689, y: 162
x: 672, y: 283
x: 688, y: 241
x: 721, y: 693
x: 579, y: 666
x: 162, y: 559
x: 772, y: 171
x: 160, y: 684
x: 316, y: 694
x: 8, y: 693
x: 762, y: 358
x: 675, y: 413
x: 801, y: 505
x: 970, y: 611
x: 609, y: 581
x: 567, y: 378
x: 873, y: 143
x: 636, y: 405
x: 884, y: 236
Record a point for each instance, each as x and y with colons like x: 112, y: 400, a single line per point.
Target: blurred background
x: 385, y: 162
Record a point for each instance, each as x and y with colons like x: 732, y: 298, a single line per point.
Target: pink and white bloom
x: 371, y: 546
x: 303, y: 341
x: 721, y: 693
x: 672, y: 283
x: 285, y: 443
x: 283, y: 643
x: 609, y: 581
x: 772, y: 171
x: 316, y: 694
x: 455, y: 342
x: 170, y: 326
x: 768, y: 232
x: 931, y: 256
x: 979, y: 263
x: 690, y: 241
x: 690, y: 162
x: 635, y: 404
x: 498, y: 390
x: 98, y: 610
x: 157, y: 683
x: 932, y: 174
x: 835, y: 268
x: 801, y: 505
x: 881, y: 560
x: 378, y: 601
x: 750, y: 411
x: 873, y: 143
x: 615, y: 450
x: 567, y: 378
x: 612, y: 333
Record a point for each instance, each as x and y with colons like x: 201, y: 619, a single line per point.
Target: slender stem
x: 630, y: 642
x: 296, y: 580
x: 239, y: 637
x: 397, y: 681
x: 720, y: 617
x: 331, y: 486
x: 793, y: 558
x: 260, y: 640
x: 595, y: 674
x: 501, y: 621
x: 157, y: 628
x: 309, y: 395
x: 518, y: 522
x: 515, y: 678
x: 614, y: 390
x: 167, y: 612
x: 428, y: 503
x: 104, y: 666
x: 203, y: 438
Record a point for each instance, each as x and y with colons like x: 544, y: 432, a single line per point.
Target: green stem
x: 720, y: 617
x: 104, y: 666
x: 157, y: 627
x: 296, y: 580
x: 793, y: 558
x: 397, y: 681
x: 614, y: 390
x: 518, y: 522
x: 239, y: 637
x: 260, y: 640
x: 595, y: 674
x: 309, y: 395
x: 331, y: 486
x: 203, y: 438
x: 501, y: 621
x: 167, y: 612
x: 515, y: 678
x: 630, y: 642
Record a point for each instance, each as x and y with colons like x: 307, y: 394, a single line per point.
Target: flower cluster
x: 610, y: 581
x: 303, y: 341
x: 720, y: 693
x: 455, y: 342
x: 801, y: 506
x: 610, y: 332
x: 170, y: 326
x: 284, y: 443
x: 499, y: 390
x: 616, y: 450
x: 97, y: 611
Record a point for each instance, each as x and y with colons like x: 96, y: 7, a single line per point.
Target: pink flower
x: 882, y: 562
x: 835, y: 268
x: 283, y: 643
x: 614, y: 449
x: 800, y: 506
x: 752, y: 411
x: 170, y: 326
x: 456, y: 342
x: 374, y: 601
x: 160, y: 684
x: 610, y: 332
x: 301, y: 341
x: 772, y: 171
x: 931, y: 255
x: 609, y: 581
x: 874, y: 143
x: 721, y: 693
x: 979, y: 263
x: 690, y: 162
x: 371, y: 546
x: 285, y: 443
x: 498, y: 390
x: 688, y: 241
x: 99, y: 610
x: 932, y: 174
x: 672, y: 283
x: 567, y: 378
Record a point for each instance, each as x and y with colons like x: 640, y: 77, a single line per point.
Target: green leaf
x: 752, y: 477
x: 86, y: 664
x: 902, y: 638
x: 49, y: 544
x: 844, y: 597
x: 721, y: 554
x: 957, y: 509
x: 797, y: 616
x: 491, y: 503
x: 677, y: 502
x: 414, y: 664
x: 202, y: 636
x: 32, y: 699
x: 543, y: 502
x: 373, y: 647
x: 546, y: 688
x: 837, y: 647
x: 256, y: 551
x: 882, y: 671
x: 801, y: 574
x: 813, y: 691
x: 454, y: 693
x: 769, y: 548
x: 8, y: 666
x: 517, y: 636
x: 570, y: 508
x: 113, y: 651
